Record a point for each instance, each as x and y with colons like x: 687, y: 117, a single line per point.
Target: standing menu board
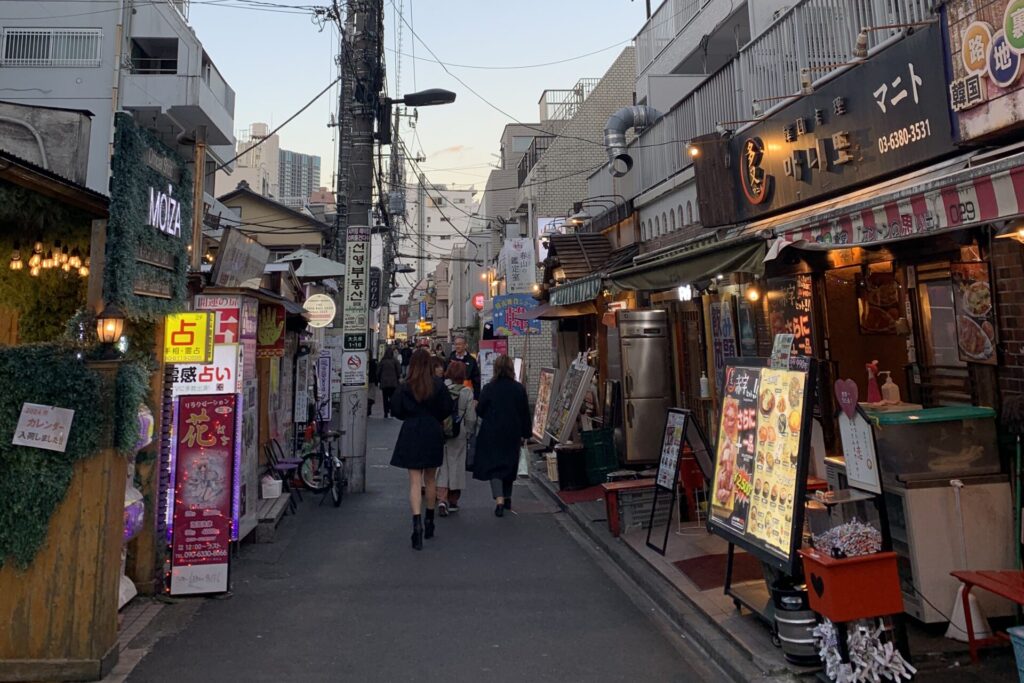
x: 546, y: 384
x: 566, y: 406
x: 761, y: 458
x: 789, y: 310
x: 680, y: 429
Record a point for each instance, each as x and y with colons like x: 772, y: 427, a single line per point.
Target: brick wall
x: 539, y: 355
x: 1008, y: 272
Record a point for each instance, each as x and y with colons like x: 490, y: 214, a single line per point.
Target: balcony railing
x: 532, y: 154
x: 561, y: 105
x: 663, y: 26
x: 814, y: 34
x: 154, y: 65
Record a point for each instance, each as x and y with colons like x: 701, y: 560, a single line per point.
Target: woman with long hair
x: 451, y: 477
x: 389, y: 375
x: 505, y: 413
x: 422, y: 403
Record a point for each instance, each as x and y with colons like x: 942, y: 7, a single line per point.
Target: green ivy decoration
x: 132, y: 390
x: 128, y: 230
x: 34, y: 481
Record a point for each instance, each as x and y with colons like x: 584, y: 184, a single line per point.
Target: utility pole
x: 362, y: 59
x: 396, y: 212
x: 421, y: 227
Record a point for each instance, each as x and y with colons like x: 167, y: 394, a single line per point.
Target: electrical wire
x: 487, y: 67
x: 249, y: 5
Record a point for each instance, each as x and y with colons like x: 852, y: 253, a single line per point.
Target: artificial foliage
x: 128, y: 228
x: 33, y: 481
x: 132, y: 390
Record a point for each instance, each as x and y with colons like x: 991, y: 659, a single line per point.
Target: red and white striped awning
x: 946, y: 197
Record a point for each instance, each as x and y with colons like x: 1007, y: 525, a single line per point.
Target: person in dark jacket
x: 505, y: 413
x: 422, y: 403
x: 461, y: 353
x: 389, y: 374
x: 406, y: 353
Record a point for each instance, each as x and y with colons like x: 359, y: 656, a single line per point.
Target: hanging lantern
x: 110, y: 324
x: 84, y: 270
x: 65, y: 257
x: 34, y: 271
x: 48, y: 260
x: 16, y: 262
x: 76, y: 258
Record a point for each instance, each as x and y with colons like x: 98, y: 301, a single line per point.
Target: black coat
x: 505, y: 413
x: 420, y: 444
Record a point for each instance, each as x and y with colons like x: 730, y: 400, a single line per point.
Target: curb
x: 720, y: 646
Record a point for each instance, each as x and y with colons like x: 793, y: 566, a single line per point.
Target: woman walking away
x: 505, y: 414
x: 422, y: 403
x: 389, y: 372
x: 451, y: 477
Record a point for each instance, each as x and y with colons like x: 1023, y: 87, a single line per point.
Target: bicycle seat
x: 333, y: 434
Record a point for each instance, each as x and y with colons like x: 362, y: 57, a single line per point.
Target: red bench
x: 1005, y: 584
x: 611, y: 499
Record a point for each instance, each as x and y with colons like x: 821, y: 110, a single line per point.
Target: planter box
x: 852, y: 588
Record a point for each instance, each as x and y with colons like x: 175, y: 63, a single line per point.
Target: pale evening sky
x: 277, y: 61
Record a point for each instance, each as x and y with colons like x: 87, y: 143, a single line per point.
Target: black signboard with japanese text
x: 879, y: 118
x: 761, y: 458
x: 789, y: 311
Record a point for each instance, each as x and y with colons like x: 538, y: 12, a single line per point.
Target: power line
x: 522, y: 66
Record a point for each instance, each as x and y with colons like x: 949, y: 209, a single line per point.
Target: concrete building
x: 104, y: 56
x: 279, y: 228
x: 298, y: 176
x: 257, y: 167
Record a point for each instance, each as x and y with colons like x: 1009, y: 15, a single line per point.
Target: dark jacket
x: 505, y: 414
x: 406, y: 354
x: 420, y: 444
x: 472, y: 370
x: 389, y: 372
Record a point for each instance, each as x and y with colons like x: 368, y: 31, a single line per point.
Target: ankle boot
x: 428, y: 526
x: 417, y: 532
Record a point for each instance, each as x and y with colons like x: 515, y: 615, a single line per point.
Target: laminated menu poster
x: 546, y: 384
x: 761, y: 463
x: 975, y: 314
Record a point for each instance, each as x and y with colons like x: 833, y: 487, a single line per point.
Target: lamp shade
x: 110, y: 324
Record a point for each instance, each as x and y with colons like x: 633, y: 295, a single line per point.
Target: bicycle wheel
x: 314, y: 473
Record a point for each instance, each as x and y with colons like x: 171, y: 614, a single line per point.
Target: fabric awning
x: 552, y: 312
x: 701, y: 260
x: 585, y: 289
x: 946, y: 197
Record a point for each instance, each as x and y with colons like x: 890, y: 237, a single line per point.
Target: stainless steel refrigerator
x: 644, y: 342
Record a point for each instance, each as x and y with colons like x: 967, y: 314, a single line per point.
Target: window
x: 689, y: 212
x: 681, y: 215
x: 446, y: 237
x: 428, y: 219
x: 460, y: 200
x: 50, y: 47
x: 664, y: 222
x: 521, y: 143
x: 657, y: 227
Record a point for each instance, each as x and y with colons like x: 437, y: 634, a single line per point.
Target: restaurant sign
x: 879, y: 118
x: 986, y: 53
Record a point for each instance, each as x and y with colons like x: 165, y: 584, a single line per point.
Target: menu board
x: 789, y: 310
x: 546, y: 384
x: 566, y: 406
x: 671, y: 447
x: 761, y: 459
x: 975, y: 314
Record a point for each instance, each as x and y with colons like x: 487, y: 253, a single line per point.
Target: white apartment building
x: 259, y: 167
x: 298, y: 176
x: 104, y: 56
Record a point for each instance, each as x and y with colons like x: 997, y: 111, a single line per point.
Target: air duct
x: 637, y: 118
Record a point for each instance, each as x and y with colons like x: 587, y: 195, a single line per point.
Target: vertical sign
x: 517, y: 260
x: 375, y: 287
x: 248, y: 486
x: 301, y: 407
x: 723, y: 337
x: 203, y: 482
x: 354, y: 311
x: 323, y: 385
x: 789, y: 311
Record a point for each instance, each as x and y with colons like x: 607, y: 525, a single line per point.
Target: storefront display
x: 545, y: 390
x: 761, y: 458
x: 975, y: 314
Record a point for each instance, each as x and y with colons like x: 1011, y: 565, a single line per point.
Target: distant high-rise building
x: 298, y: 177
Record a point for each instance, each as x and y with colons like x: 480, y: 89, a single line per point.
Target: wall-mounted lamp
x: 110, y: 324
x: 1014, y: 230
x: 860, y: 48
x: 685, y: 292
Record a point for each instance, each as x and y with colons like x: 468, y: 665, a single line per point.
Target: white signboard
x: 218, y: 377
x: 42, y: 426
x: 332, y: 342
x: 301, y: 407
x: 323, y: 385
x: 321, y: 310
x: 859, y: 452
x: 518, y: 264
x: 355, y: 308
x: 486, y: 359
x: 353, y: 368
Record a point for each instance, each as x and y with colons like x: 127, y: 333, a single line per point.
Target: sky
x: 276, y: 61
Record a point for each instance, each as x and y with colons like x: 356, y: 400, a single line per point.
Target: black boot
x: 428, y: 526
x: 417, y: 532
x: 499, y: 510
x: 508, y: 503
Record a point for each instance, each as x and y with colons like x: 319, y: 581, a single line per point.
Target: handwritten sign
x: 509, y: 310
x: 44, y: 427
x: 858, y: 439
x: 789, y: 311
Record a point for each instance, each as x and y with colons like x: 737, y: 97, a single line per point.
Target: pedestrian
x: 436, y: 366
x: 461, y: 354
x: 422, y: 403
x: 451, y: 478
x: 504, y: 412
x: 389, y: 374
x: 406, y: 354
x: 439, y: 352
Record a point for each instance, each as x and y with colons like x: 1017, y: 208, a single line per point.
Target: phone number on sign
x: 915, y: 132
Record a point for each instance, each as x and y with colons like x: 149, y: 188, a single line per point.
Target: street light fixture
x: 404, y: 268
x: 422, y: 98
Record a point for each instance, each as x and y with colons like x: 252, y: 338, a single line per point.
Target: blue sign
x: 423, y: 310
x: 509, y: 310
x: 1003, y: 61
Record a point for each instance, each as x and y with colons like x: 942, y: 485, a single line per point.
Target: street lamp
x: 423, y: 98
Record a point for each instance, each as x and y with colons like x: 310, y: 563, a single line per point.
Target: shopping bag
x: 524, y: 461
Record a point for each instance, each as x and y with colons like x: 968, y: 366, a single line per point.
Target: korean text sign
x: 188, y: 337
x: 509, y: 310
x: 203, y: 484
x: 42, y: 426
x: 355, y: 307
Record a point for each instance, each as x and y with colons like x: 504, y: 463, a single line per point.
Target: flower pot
x: 852, y: 588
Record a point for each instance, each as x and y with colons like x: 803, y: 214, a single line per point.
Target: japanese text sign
x: 270, y: 331
x: 217, y: 377
x: 323, y: 385
x: 518, y: 264
x: 203, y: 484
x: 354, y: 310
x: 883, y: 116
x: 188, y: 337
x: 509, y: 310
x: 42, y: 426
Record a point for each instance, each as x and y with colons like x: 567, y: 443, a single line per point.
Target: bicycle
x: 323, y: 470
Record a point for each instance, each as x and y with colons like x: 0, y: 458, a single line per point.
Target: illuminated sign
x: 188, y: 338
x: 164, y: 211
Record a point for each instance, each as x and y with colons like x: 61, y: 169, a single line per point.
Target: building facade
x: 298, y: 177
x: 257, y: 166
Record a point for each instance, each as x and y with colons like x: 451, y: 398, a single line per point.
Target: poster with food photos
x: 761, y: 458
x: 975, y: 312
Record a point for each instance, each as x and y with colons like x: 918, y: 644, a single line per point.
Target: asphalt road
x: 340, y: 596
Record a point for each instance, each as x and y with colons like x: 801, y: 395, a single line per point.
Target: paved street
x: 341, y: 596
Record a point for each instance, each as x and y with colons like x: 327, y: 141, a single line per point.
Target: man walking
x: 461, y: 354
x: 406, y: 353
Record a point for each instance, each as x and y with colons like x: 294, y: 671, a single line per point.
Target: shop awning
x: 949, y: 196
x: 580, y: 254
x: 698, y: 260
x: 552, y: 312
x: 585, y: 289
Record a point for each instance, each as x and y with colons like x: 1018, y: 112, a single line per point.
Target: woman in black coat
x: 422, y: 403
x: 505, y: 414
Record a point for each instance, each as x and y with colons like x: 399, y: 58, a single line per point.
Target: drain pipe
x: 635, y: 117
